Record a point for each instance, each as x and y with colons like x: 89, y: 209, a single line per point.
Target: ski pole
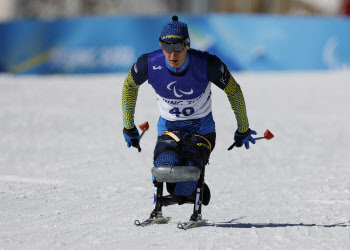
x: 144, y: 127
x: 267, y: 135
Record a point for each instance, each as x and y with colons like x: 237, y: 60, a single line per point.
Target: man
x: 182, y: 80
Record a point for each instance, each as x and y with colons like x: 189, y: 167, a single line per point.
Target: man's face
x: 176, y: 59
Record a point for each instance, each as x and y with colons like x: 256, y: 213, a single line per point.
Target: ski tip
x: 137, y: 223
x: 192, y: 224
x: 152, y: 221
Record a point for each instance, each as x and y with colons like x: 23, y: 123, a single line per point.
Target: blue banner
x: 113, y: 44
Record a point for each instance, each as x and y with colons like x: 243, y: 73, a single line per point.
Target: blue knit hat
x: 174, y: 31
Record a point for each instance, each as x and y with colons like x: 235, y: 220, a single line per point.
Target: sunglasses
x: 177, y: 47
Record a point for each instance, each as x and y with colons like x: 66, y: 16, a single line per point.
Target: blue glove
x: 132, y: 137
x: 244, y: 138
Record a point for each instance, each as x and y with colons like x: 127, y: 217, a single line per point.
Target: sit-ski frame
x: 177, y: 174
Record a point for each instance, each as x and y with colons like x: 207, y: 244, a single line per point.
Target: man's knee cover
x: 167, y: 158
x: 195, y: 155
x: 195, y: 148
x: 166, y: 153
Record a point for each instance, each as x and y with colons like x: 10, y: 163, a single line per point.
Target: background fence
x: 112, y: 44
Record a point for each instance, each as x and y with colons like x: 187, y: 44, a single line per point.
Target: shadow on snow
x: 232, y: 224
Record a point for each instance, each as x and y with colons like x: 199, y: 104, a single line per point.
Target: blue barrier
x: 112, y: 44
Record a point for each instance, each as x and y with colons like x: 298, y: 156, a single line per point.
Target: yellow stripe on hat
x: 171, y: 36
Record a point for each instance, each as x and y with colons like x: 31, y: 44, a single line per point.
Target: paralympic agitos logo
x: 171, y: 86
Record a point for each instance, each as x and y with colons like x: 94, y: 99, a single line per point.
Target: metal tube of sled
x: 174, y: 174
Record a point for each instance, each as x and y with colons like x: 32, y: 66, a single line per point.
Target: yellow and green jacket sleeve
x: 129, y: 97
x: 235, y: 96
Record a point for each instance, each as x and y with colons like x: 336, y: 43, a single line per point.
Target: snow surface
x: 68, y: 181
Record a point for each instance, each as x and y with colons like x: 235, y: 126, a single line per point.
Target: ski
x: 192, y: 224
x: 152, y: 221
